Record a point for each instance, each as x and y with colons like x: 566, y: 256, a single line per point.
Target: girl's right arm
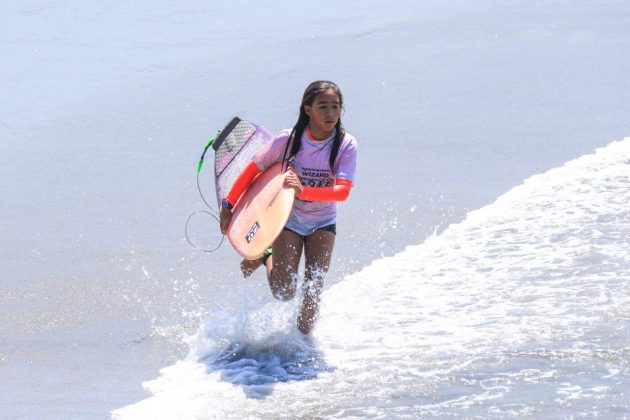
x: 242, y: 182
x: 265, y: 157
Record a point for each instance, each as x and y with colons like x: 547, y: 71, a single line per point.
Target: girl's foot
x: 249, y: 266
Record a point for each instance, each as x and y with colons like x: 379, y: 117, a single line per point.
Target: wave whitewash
x: 523, y: 309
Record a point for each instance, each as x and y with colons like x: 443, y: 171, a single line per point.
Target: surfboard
x: 263, y: 210
x: 261, y: 213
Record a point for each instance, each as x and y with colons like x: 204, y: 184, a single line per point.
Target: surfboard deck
x: 261, y: 213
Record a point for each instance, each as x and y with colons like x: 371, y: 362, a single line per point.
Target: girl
x: 322, y: 159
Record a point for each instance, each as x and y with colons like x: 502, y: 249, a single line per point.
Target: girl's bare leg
x: 249, y: 266
x: 318, y: 253
x: 282, y: 270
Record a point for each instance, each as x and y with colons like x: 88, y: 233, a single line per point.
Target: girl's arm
x: 240, y: 185
x: 338, y: 192
x: 268, y: 154
x: 242, y: 182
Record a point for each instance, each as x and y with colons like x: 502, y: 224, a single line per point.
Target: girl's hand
x: 292, y: 181
x: 225, y: 215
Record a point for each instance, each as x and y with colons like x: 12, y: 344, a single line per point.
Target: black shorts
x: 328, y: 228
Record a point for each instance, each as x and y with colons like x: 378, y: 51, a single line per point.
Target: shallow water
x: 108, y: 110
x: 519, y: 310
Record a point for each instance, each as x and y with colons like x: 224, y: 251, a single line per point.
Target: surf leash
x: 210, y: 142
x: 199, y: 166
x: 212, y: 213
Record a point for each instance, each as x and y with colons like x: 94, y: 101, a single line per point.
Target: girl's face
x: 323, y: 113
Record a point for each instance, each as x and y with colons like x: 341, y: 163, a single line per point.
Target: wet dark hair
x: 295, y: 138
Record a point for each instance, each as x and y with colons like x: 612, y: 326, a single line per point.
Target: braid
x: 295, y: 140
x: 335, y: 146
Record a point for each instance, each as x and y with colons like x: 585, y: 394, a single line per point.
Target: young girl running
x: 322, y: 159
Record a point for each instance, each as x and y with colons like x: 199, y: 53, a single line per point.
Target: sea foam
x: 521, y: 309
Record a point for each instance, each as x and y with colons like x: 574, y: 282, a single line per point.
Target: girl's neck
x: 316, y: 135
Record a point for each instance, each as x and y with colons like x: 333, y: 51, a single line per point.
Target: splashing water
x: 523, y: 309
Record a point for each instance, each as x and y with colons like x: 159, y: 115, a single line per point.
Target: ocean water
x: 520, y: 310
x: 457, y: 288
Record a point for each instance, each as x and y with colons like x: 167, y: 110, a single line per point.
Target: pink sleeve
x: 242, y: 182
x: 338, y: 192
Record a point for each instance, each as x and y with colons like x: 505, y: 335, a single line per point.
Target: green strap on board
x: 212, y: 139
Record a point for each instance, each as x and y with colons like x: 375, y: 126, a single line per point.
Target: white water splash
x: 521, y: 310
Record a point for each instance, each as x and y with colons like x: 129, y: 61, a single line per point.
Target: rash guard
x: 316, y: 206
x: 339, y: 192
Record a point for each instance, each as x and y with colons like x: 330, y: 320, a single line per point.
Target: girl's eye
x: 325, y: 107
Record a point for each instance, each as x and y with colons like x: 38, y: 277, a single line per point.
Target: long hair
x: 295, y: 138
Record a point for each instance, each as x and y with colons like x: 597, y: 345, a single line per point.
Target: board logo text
x: 252, y: 232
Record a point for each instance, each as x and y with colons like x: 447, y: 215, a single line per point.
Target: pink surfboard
x: 261, y: 213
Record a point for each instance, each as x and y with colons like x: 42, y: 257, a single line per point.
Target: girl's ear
x: 307, y: 111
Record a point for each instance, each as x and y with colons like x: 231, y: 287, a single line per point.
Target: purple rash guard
x: 312, y: 166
